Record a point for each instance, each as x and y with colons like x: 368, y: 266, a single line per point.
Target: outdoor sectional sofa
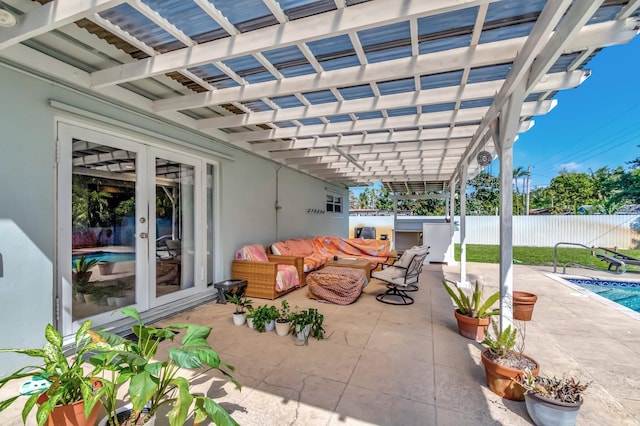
x: 316, y: 251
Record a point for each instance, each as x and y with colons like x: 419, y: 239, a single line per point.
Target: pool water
x: 624, y: 293
x: 106, y: 256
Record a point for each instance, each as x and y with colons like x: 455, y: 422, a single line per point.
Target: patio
x: 391, y: 365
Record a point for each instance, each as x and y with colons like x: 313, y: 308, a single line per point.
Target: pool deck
x: 406, y: 365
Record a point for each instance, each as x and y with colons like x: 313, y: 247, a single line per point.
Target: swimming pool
x: 624, y: 293
x: 106, y: 256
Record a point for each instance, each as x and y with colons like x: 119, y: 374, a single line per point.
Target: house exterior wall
x: 28, y: 201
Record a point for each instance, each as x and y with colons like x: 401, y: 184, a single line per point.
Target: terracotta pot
x: 471, y: 328
x: 500, y: 378
x: 71, y: 415
x: 523, y: 305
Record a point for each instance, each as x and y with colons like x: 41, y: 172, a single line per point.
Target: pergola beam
x: 354, y: 18
x: 424, y: 119
x: 506, y: 51
x: 50, y: 16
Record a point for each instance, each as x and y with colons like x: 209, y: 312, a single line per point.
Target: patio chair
x: 267, y: 276
x: 401, y: 276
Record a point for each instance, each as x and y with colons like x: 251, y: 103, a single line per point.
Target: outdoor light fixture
x: 6, y: 18
x: 349, y: 157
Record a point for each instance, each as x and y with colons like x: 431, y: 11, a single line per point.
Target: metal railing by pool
x: 620, y: 266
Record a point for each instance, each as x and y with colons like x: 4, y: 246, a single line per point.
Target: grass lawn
x: 539, y: 255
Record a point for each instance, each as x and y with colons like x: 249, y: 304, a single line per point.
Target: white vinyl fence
x: 621, y: 231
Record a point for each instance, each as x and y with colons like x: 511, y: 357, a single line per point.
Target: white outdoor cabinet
x: 438, y: 236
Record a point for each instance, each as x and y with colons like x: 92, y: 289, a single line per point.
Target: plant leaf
x: 82, y: 331
x: 43, y: 412
x: 482, y: 310
x: 178, y: 415
x: 185, y: 358
x: 216, y: 413
x: 36, y: 353
x: 196, y: 335
x: 28, y: 406
x: 455, y: 298
x: 7, y: 402
x: 208, y: 356
x: 52, y: 336
x: 131, y: 312
x: 141, y: 389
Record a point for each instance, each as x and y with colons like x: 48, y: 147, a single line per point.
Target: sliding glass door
x: 129, y: 216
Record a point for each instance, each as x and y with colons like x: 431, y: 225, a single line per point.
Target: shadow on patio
x: 406, y: 365
x: 391, y: 365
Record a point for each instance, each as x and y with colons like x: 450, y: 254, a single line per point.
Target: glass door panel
x: 103, y: 228
x: 174, y: 226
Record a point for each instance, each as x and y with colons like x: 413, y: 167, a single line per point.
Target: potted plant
x: 73, y: 393
x: 106, y: 267
x: 264, y: 318
x: 81, y: 275
x: 155, y: 383
x: 250, y: 313
x: 473, y: 312
x: 239, y: 314
x: 552, y: 402
x: 308, y: 323
x: 504, y: 366
x: 283, y: 322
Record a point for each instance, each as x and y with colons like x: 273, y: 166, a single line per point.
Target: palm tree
x: 519, y: 172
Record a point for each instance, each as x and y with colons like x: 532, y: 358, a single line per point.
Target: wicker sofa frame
x: 261, y: 276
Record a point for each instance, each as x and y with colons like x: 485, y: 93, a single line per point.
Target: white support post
x: 463, y: 225
x: 450, y: 256
x: 505, y: 134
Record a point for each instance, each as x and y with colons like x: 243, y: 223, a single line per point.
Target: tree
x: 484, y: 199
x: 571, y: 189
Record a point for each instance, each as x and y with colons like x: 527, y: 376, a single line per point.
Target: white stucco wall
x: 28, y: 203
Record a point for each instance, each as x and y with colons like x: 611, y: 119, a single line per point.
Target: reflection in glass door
x: 174, y: 227
x: 103, y: 228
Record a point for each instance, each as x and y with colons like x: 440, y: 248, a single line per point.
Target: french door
x: 128, y: 221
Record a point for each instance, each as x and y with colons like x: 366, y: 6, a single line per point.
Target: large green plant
x: 70, y: 382
x: 473, y: 306
x: 156, y: 383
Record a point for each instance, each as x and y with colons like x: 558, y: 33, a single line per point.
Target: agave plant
x: 474, y: 306
x: 566, y: 389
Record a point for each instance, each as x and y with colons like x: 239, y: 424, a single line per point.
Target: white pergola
x: 349, y: 91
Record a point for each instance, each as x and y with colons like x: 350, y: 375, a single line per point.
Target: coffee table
x: 352, y: 263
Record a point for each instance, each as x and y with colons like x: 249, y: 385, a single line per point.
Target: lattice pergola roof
x: 350, y: 91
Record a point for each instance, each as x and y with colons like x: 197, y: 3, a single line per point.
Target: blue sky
x: 594, y: 125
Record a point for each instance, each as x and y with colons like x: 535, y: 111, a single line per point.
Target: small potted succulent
x: 504, y: 365
x: 283, y: 322
x: 473, y: 313
x: 552, y: 401
x: 241, y: 302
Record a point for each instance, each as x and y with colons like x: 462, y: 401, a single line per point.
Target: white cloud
x: 573, y: 166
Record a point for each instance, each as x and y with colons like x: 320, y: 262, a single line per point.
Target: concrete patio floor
x: 406, y: 365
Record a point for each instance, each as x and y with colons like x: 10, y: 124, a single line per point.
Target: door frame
x: 68, y: 127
